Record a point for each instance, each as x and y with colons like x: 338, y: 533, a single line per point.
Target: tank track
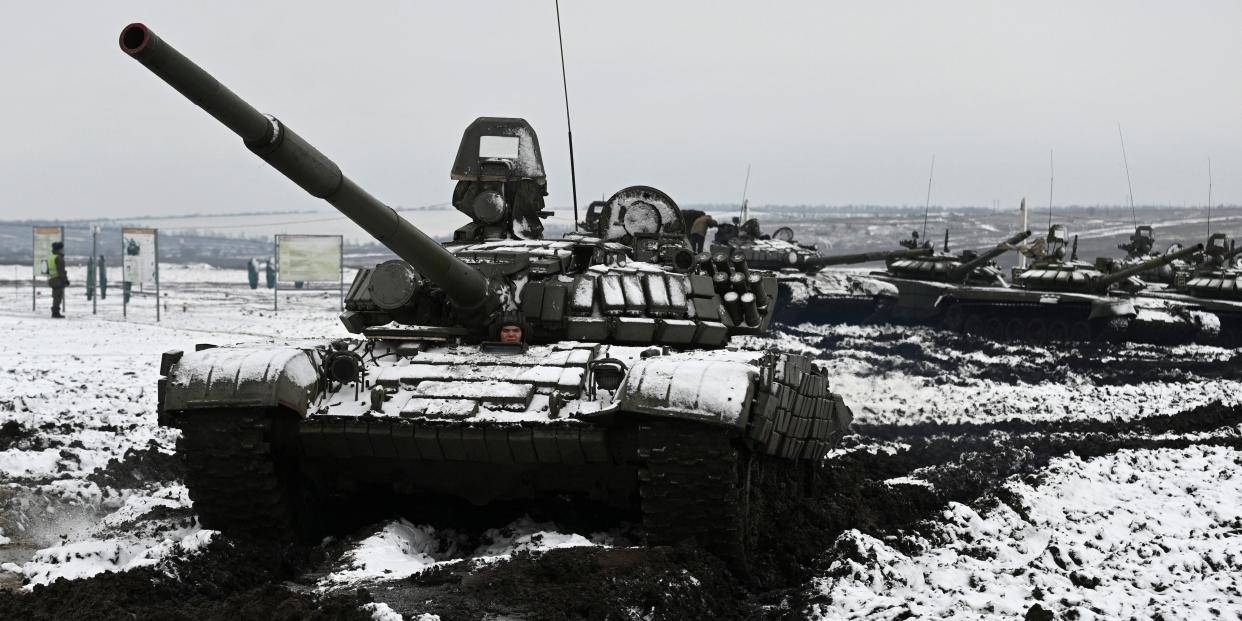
x: 235, y: 479
x: 695, y: 484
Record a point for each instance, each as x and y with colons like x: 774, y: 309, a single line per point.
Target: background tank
x: 1060, y: 298
x: 1140, y: 248
x: 618, y: 391
x: 1213, y: 285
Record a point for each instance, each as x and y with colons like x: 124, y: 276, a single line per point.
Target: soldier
x: 57, y: 279
x: 698, y: 231
x: 511, y: 333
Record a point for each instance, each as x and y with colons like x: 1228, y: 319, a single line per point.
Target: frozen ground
x: 984, y: 480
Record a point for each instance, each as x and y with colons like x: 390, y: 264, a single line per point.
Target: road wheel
x: 1037, y: 330
x: 1058, y: 331
x: 955, y: 318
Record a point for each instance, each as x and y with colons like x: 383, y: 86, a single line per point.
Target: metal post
x: 157, y: 275
x: 34, y: 272
x: 276, y: 285
x: 94, y: 258
x: 1022, y: 210
x: 124, y: 298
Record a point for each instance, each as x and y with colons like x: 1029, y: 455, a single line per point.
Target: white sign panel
x: 308, y: 258
x: 138, y: 254
x: 43, y: 238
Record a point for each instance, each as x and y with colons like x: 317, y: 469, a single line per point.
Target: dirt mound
x: 138, y: 467
x: 578, y: 583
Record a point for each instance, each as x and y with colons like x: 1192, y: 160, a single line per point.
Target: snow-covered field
x: 88, y: 484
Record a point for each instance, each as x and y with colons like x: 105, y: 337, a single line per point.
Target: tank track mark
x: 695, y: 484
x: 239, y: 485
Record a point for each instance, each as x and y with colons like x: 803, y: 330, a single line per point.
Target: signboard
x: 44, y: 236
x: 42, y: 239
x: 138, y: 255
x: 308, y: 258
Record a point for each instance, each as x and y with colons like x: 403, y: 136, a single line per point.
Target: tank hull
x: 525, y: 426
x: 1011, y: 313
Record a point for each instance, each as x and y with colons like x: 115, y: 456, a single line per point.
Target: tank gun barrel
x: 303, y: 164
x: 1108, y: 280
x: 964, y: 270
x: 821, y: 262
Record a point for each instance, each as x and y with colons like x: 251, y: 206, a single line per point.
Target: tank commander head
x: 511, y: 333
x: 509, y: 328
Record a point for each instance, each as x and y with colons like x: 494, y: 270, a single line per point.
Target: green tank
x: 1059, y: 298
x: 1213, y: 285
x: 1140, y: 248
x: 501, y: 365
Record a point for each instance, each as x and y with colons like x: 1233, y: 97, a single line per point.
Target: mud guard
x: 711, y: 391
x: 241, y: 377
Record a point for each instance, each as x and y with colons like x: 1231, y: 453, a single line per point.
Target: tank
x: 781, y: 252
x: 806, y: 294
x: 1140, y: 248
x: 500, y: 365
x: 1213, y: 285
x: 1060, y: 298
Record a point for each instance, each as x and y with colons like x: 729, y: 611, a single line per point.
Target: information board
x: 138, y: 253
x: 44, y: 236
x: 308, y: 258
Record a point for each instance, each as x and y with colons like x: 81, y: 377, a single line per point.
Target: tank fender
x: 1104, y: 309
x: 233, y: 377
x: 711, y: 391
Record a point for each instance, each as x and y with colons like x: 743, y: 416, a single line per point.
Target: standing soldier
x: 698, y: 231
x: 57, y: 279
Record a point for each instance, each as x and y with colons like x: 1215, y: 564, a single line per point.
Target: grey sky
x: 832, y: 103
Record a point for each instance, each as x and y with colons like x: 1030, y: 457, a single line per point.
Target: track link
x: 236, y: 480
x: 694, y: 486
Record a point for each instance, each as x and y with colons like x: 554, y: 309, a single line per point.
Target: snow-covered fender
x: 1105, y: 309
x: 238, y: 377
x: 711, y: 391
x: 780, y: 401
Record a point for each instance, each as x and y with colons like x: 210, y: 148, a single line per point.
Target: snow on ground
x: 401, y: 549
x: 1135, y: 534
x: 1156, y: 526
x: 79, y: 393
x: 938, y: 384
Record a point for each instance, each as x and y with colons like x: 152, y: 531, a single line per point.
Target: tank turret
x: 632, y: 279
x: 1108, y: 280
x: 960, y: 272
x: 1216, y: 276
x: 1058, y: 272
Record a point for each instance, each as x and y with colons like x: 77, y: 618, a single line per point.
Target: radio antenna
x: 745, y: 187
x: 927, y: 204
x: 573, y: 177
x: 1209, y: 197
x: 1129, y: 187
x: 1051, y: 178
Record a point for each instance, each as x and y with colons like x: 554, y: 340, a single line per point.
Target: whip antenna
x: 927, y: 204
x: 1209, y: 196
x: 573, y: 177
x: 1127, y: 163
x: 1051, y: 177
x: 745, y: 187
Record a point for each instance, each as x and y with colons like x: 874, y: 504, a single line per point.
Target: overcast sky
x: 831, y: 103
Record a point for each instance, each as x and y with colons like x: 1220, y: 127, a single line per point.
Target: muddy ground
x: 963, y: 462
